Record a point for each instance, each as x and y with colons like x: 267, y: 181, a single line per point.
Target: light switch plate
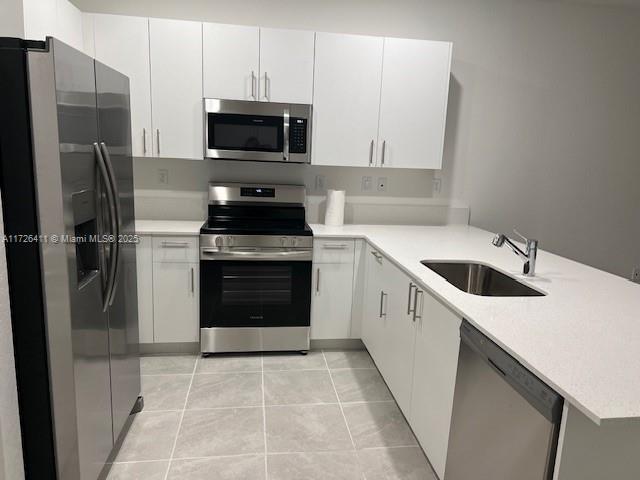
x: 320, y: 183
x: 367, y: 183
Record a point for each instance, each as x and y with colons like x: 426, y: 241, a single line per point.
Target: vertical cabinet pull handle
x: 371, y: 153
x: 144, y: 141
x: 415, y: 305
x: 411, y: 287
x: 253, y: 85
x: 267, y: 94
x: 382, y: 298
x: 318, y: 280
x: 384, y: 148
x: 158, y: 139
x: 192, y: 281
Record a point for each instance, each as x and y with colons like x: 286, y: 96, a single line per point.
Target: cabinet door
x: 123, y: 43
x: 413, y: 107
x: 398, y: 332
x: 286, y: 65
x: 374, y: 304
x: 144, y: 272
x: 230, y: 61
x: 175, y: 302
x: 346, y: 99
x: 434, y: 378
x: 331, y: 301
x: 176, y: 88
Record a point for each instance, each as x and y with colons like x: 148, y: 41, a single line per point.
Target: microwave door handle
x: 285, y: 142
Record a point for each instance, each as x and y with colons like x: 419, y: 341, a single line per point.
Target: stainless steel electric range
x: 255, y: 269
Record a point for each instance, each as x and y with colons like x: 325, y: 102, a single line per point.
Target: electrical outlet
x: 367, y: 183
x: 635, y: 275
x: 320, y: 183
x: 163, y: 176
x: 437, y: 185
x: 382, y: 184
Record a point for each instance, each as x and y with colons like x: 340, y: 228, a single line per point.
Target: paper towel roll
x: 334, y: 214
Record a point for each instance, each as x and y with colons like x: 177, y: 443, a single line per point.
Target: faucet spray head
x: 498, y: 240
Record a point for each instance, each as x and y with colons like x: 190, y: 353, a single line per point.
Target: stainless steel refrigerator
x: 66, y: 178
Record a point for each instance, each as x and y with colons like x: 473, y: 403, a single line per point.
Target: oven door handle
x: 257, y: 254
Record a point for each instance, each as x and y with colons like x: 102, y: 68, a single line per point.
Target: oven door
x: 255, y: 293
x: 240, y: 130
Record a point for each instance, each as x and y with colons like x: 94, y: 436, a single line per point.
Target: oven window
x: 257, y: 133
x: 256, y: 285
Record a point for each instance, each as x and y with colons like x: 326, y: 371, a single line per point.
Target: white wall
x: 11, y: 467
x: 542, y: 130
x: 11, y: 19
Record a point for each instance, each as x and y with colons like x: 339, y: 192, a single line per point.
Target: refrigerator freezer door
x: 115, y: 139
x: 78, y: 131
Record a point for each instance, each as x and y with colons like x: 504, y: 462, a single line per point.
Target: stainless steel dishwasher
x: 505, y: 421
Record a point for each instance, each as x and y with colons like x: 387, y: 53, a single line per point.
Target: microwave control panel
x: 298, y: 135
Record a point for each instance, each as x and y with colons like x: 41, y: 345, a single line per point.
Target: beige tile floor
x: 327, y: 415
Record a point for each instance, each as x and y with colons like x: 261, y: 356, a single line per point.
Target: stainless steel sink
x: 480, y: 279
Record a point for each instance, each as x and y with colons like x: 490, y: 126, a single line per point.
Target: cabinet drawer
x: 175, y: 249
x: 333, y: 251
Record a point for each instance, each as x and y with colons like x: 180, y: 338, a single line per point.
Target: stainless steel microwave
x: 257, y: 131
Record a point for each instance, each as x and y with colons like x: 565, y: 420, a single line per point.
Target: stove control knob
x: 230, y: 241
x: 283, y: 241
x: 218, y: 241
x: 295, y: 241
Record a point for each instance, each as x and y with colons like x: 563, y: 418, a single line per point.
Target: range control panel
x: 298, y: 135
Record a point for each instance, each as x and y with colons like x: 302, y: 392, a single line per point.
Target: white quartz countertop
x: 582, y: 338
x: 168, y: 227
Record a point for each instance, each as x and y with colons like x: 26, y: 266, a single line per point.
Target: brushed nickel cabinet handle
x: 192, y: 281
x: 415, y: 305
x: 371, y: 153
x: 382, y: 298
x: 144, y: 141
x: 318, y: 280
x: 384, y: 149
x: 158, y: 139
x: 253, y: 85
x: 168, y: 244
x: 411, y: 287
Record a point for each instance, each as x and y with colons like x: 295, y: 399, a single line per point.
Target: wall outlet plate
x: 367, y: 183
x: 635, y: 275
x: 320, y: 183
x: 382, y: 184
x: 163, y: 176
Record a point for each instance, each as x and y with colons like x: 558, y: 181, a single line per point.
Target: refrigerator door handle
x: 102, y: 168
x: 118, y: 218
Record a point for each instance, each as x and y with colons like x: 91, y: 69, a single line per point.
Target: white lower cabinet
x: 434, y: 376
x: 332, y: 289
x: 144, y: 269
x: 175, y: 302
x: 416, y: 353
x: 168, y: 289
x: 331, y: 301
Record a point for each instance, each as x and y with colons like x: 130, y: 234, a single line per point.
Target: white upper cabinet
x: 123, y: 43
x: 231, y: 61
x: 346, y: 99
x: 56, y: 18
x: 176, y: 88
x: 413, y: 107
x: 286, y: 65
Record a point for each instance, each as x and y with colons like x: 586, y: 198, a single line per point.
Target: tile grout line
x: 353, y: 444
x: 184, y: 409
x: 264, y: 421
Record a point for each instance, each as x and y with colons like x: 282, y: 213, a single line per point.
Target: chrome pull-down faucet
x: 528, y: 256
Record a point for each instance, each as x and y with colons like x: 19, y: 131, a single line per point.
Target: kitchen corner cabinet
x: 175, y: 48
x: 261, y: 64
x: 435, y: 363
x: 416, y: 353
x: 346, y: 99
x: 128, y: 52
x: 379, y: 101
x: 332, y: 289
